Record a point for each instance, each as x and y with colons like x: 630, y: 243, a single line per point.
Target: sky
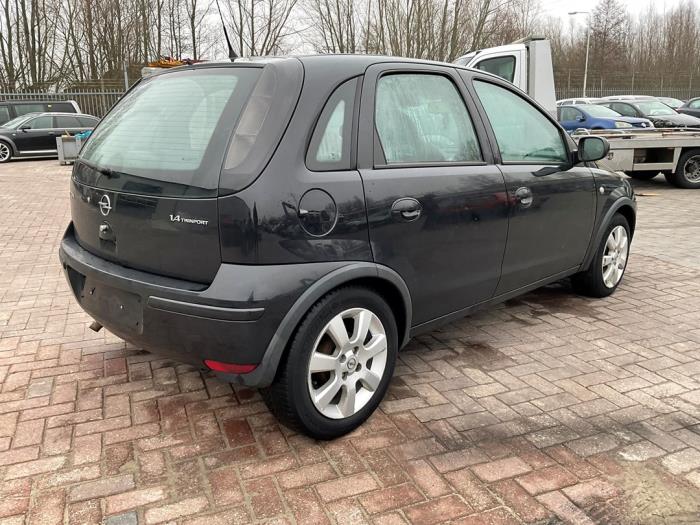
x: 562, y: 7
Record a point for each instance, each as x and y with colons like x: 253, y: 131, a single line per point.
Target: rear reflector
x: 229, y: 368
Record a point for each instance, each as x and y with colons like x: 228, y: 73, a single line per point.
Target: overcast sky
x: 562, y: 7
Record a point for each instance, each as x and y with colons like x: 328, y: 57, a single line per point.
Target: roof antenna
x: 231, y: 53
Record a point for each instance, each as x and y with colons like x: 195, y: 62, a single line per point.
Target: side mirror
x: 580, y: 118
x: 592, y: 148
x: 24, y: 128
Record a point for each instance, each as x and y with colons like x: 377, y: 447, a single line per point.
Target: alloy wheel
x: 4, y: 152
x: 347, y: 363
x: 615, y: 256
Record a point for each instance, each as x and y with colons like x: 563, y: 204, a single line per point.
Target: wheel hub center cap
x: 351, y: 364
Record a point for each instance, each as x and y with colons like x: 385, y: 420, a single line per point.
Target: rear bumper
x: 233, y: 320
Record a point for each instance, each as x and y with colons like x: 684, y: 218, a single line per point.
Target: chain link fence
x: 569, y: 84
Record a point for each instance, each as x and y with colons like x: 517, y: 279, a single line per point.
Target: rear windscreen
x: 167, y: 136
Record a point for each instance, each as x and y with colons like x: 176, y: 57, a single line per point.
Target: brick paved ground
x: 550, y: 408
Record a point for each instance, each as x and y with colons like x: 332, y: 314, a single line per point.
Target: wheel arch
x: 383, y: 280
x: 625, y: 207
x: 12, y: 145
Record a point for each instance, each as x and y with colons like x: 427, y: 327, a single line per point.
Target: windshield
x: 168, y: 135
x: 673, y: 102
x: 17, y: 121
x: 654, y: 107
x: 601, y: 111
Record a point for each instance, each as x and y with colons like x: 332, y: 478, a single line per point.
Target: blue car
x: 593, y: 116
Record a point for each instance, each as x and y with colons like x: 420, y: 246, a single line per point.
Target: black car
x: 692, y: 107
x: 10, y: 109
x: 291, y: 223
x: 34, y: 134
x: 659, y: 113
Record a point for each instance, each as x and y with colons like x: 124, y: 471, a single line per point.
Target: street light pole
x: 588, y: 46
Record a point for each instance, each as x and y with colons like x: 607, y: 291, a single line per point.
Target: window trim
x: 498, y: 159
x: 379, y: 159
x: 318, y: 167
x: 515, y: 63
x: 51, y: 119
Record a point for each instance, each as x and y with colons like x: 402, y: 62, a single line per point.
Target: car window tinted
x: 169, y: 129
x: 63, y: 121
x: 422, y: 118
x: 601, y: 111
x: 4, y: 114
x: 87, y: 122
x: 504, y: 67
x: 44, y: 122
x: 624, y: 109
x: 331, y: 140
x: 569, y: 114
x: 23, y: 109
x: 654, y: 108
x: 65, y: 107
x: 523, y: 133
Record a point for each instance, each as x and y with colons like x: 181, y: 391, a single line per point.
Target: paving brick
x: 346, y: 487
x: 174, y: 511
x: 500, y: 469
x: 547, y: 479
x: 564, y: 508
x: 682, y: 461
x: 102, y: 487
x: 133, y: 499
x: 438, y: 511
x: 517, y: 498
x: 391, y: 498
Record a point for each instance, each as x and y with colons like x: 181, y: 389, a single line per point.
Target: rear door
x: 67, y: 124
x: 146, y: 184
x: 436, y: 204
x: 552, y: 208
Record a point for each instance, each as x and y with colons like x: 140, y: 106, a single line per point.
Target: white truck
x: 641, y: 154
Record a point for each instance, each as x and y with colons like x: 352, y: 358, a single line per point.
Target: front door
x: 436, y: 203
x: 40, y: 136
x: 552, y: 207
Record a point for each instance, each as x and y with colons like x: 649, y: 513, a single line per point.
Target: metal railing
x: 93, y: 102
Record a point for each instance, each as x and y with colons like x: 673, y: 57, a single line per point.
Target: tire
x: 5, y: 152
x: 642, y: 175
x: 593, y: 282
x: 687, y: 174
x: 323, y: 416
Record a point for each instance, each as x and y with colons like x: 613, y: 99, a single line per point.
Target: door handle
x: 407, y: 209
x: 524, y: 196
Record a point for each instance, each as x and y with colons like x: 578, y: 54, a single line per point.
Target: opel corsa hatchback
x: 291, y: 223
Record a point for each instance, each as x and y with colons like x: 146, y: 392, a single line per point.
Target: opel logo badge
x: 105, y: 205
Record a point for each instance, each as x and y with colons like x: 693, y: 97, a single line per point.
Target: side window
x: 523, y: 133
x: 4, y: 114
x: 87, y: 122
x: 695, y: 104
x: 65, y: 122
x: 65, y: 107
x: 422, y: 118
x: 331, y: 142
x: 568, y: 114
x: 504, y: 67
x: 44, y: 122
x: 23, y: 109
x: 624, y: 109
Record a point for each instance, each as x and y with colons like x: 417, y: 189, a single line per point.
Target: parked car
x: 692, y: 107
x: 671, y: 102
x: 594, y: 116
x: 577, y: 101
x: 34, y: 134
x: 10, y: 109
x: 659, y: 113
x: 294, y: 235
x: 629, y: 97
